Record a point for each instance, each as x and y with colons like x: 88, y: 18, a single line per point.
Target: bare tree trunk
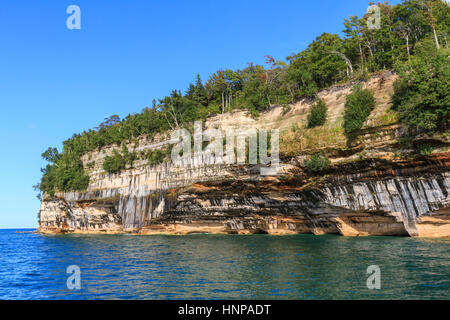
x: 362, y: 56
x: 347, y: 61
x: 436, y: 38
x: 268, y: 100
x: 430, y: 12
x: 167, y: 119
x: 173, y: 114
x: 407, y: 45
x: 292, y: 94
x: 223, y: 102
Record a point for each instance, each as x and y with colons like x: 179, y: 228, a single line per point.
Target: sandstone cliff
x: 374, y: 186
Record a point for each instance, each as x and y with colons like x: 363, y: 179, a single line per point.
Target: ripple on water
x: 221, y: 267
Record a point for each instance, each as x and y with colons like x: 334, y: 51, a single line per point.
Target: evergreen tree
x: 358, y: 106
x: 318, y: 114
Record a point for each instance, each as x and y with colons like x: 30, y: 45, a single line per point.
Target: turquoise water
x: 221, y: 267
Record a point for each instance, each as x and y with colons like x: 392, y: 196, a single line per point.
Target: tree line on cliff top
x: 412, y: 39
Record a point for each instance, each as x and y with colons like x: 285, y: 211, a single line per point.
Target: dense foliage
x: 318, y: 114
x: 119, y: 161
x: 114, y: 163
x: 157, y: 156
x: 329, y: 59
x: 421, y: 94
x: 317, y: 163
x: 63, y: 173
x: 358, y: 106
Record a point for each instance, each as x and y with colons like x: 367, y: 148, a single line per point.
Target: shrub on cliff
x: 426, y: 149
x: 156, y: 156
x: 358, y: 106
x: 73, y: 178
x: 63, y: 173
x: 114, y: 163
x: 128, y: 157
x: 318, y: 115
x: 317, y: 163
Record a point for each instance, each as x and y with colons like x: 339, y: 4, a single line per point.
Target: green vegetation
x: 157, y: 156
x: 426, y: 149
x: 317, y: 163
x: 117, y: 162
x: 114, y: 163
x: 63, y: 173
x: 407, y: 31
x: 318, y: 114
x: 358, y: 106
x: 421, y: 95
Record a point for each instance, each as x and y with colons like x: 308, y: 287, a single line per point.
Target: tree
x: 222, y: 86
x: 178, y: 109
x: 299, y: 78
x: 114, y: 163
x: 109, y: 121
x: 326, y: 67
x: 411, y: 22
x: 274, y: 78
x: 317, y: 163
x: 421, y: 94
x: 253, y: 93
x: 354, y: 31
x: 318, y: 114
x: 197, y: 92
x: 440, y: 15
x: 358, y: 106
x: 51, y: 155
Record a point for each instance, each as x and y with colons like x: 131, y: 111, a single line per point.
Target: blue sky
x: 55, y: 82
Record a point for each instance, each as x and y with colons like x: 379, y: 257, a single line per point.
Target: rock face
x: 60, y: 216
x: 372, y: 197
x: 401, y: 199
x: 357, y: 196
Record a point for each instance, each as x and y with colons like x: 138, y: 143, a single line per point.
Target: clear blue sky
x: 55, y: 82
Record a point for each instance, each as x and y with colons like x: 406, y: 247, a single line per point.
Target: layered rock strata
x: 368, y: 197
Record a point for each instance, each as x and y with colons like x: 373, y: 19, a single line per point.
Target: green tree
x: 317, y: 163
x: 358, y: 106
x: 114, y: 163
x: 318, y: 114
x: 197, y: 92
x: 254, y: 90
x: 51, y: 155
x: 156, y: 156
x: 421, y: 93
x: 326, y: 67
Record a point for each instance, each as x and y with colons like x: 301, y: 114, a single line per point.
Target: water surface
x: 221, y: 267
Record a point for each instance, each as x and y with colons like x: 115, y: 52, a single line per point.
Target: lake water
x: 221, y: 267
